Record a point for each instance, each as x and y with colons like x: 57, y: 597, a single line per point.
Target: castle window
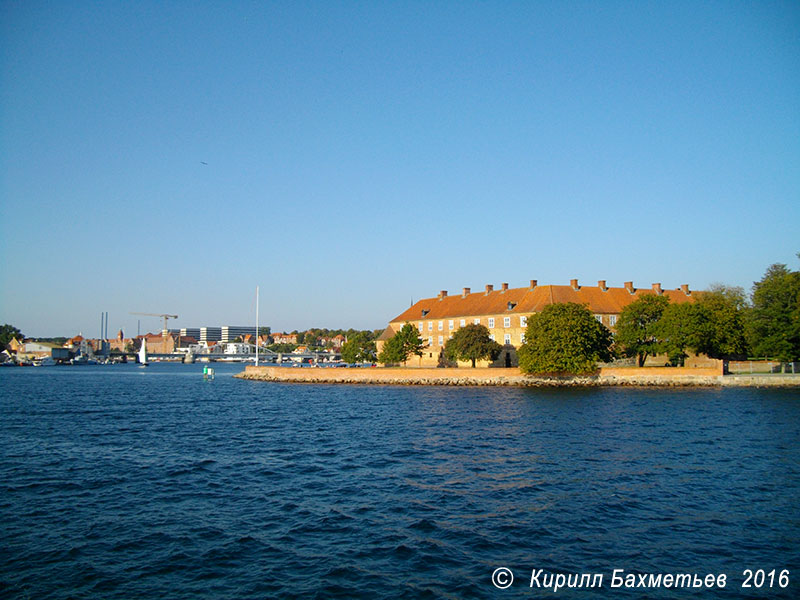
x: 441, y: 325
x: 491, y: 322
x: 612, y: 320
x: 521, y: 338
x: 599, y: 318
x: 477, y: 321
x: 450, y: 324
x: 523, y: 321
x: 507, y: 338
x: 462, y: 322
x: 430, y: 325
x: 506, y: 321
x: 441, y: 340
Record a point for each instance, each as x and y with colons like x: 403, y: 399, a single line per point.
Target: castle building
x: 505, y: 312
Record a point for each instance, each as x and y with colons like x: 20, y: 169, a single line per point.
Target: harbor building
x: 226, y: 333
x: 188, y: 332
x: 505, y: 312
x: 210, y: 334
x: 230, y: 333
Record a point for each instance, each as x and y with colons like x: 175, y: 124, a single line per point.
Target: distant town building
x: 210, y: 334
x: 505, y: 312
x: 189, y: 332
x: 230, y: 333
x: 284, y: 338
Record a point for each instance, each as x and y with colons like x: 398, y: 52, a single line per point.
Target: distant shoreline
x: 646, y: 376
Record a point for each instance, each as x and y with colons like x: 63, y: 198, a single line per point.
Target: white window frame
x: 421, y: 326
x: 430, y: 340
x: 451, y: 324
x: 441, y: 325
x: 491, y: 336
x: 612, y: 320
x: 476, y: 322
x: 441, y: 340
x: 521, y: 338
x: 430, y: 325
x: 599, y: 318
x: 523, y: 321
x: 506, y: 321
x: 507, y: 338
x: 462, y: 323
x: 491, y: 322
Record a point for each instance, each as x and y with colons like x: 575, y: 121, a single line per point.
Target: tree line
x: 566, y: 338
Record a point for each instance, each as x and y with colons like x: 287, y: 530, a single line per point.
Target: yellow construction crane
x: 165, y: 317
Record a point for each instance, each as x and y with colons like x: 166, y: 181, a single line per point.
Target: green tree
x: 359, y: 348
x: 722, y: 312
x: 7, y: 333
x: 282, y: 348
x: 681, y: 327
x: 774, y: 320
x: 564, y: 338
x: 402, y: 345
x: 471, y: 342
x: 636, y: 327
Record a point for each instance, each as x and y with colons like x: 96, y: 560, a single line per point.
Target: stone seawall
x: 648, y: 376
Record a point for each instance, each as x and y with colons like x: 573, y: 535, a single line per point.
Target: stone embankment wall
x: 651, y: 376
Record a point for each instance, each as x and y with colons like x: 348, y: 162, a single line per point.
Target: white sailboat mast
x: 256, y: 325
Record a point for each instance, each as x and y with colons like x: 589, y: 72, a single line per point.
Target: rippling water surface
x: 120, y: 482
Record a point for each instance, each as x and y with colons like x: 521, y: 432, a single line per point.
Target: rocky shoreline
x: 513, y: 377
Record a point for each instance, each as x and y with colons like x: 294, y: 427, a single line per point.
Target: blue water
x: 121, y: 482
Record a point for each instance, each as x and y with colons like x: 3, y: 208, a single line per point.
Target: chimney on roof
x: 534, y: 283
x: 685, y: 289
x: 657, y: 289
x: 465, y: 292
x: 442, y: 294
x: 602, y: 285
x: 489, y: 288
x: 504, y: 286
x: 629, y: 286
x: 573, y: 283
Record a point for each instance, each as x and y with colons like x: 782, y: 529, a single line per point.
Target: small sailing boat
x: 143, y: 353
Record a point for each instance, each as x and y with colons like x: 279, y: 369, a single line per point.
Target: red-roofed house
x: 505, y: 312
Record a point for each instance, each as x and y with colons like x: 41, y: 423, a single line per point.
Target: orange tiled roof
x: 531, y: 300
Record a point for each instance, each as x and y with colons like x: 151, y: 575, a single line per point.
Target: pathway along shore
x: 647, y: 376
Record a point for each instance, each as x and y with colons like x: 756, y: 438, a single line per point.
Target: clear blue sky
x: 361, y: 154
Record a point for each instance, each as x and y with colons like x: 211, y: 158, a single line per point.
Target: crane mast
x: 166, y: 318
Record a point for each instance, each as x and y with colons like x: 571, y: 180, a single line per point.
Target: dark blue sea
x: 118, y: 483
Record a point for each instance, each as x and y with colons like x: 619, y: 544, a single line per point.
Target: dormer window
x: 425, y: 312
x: 511, y: 305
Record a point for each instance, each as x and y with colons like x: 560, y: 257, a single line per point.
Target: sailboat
x: 143, y: 353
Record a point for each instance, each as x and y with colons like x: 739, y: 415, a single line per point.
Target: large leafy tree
x: 636, y: 327
x: 7, y: 333
x: 681, y: 327
x: 774, y: 324
x: 359, y: 348
x: 402, y: 345
x: 564, y: 338
x: 722, y: 313
x: 471, y: 342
